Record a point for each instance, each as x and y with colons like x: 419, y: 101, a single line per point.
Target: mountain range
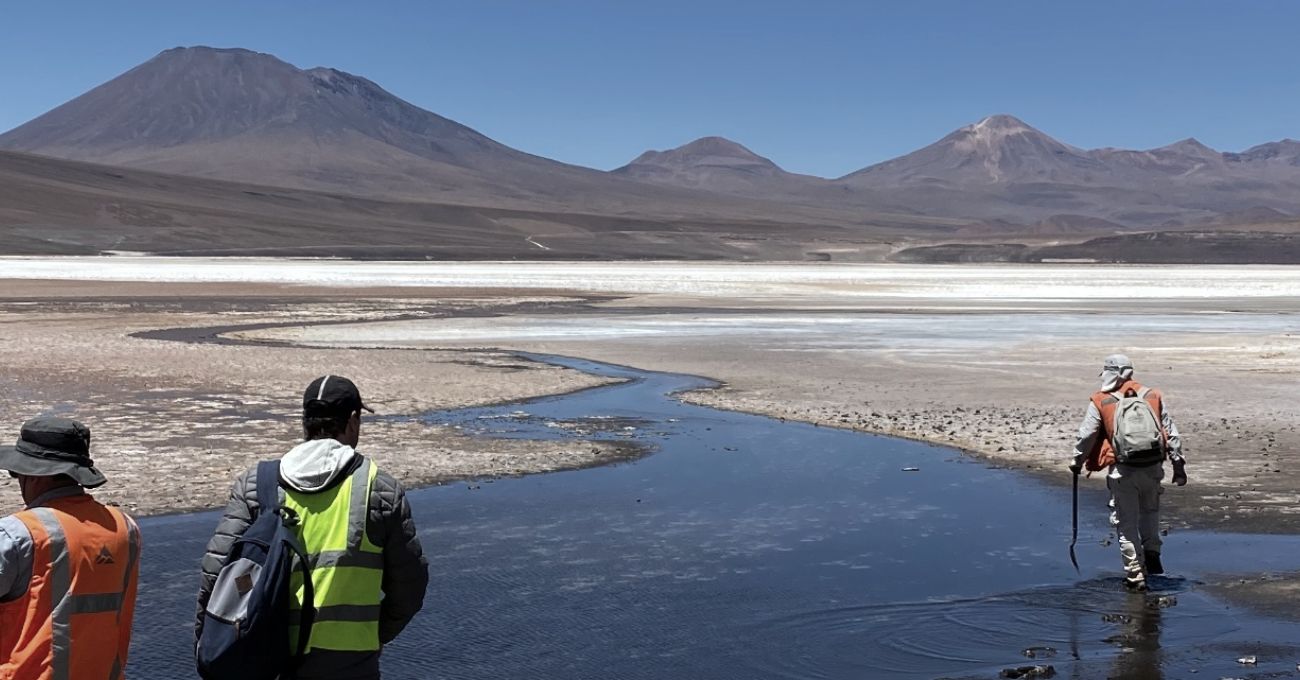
x: 1000, y: 168
x: 233, y: 115
x: 241, y: 115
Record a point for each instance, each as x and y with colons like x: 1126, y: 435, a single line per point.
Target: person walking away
x: 1128, y: 432
x: 368, y: 570
x: 69, y: 565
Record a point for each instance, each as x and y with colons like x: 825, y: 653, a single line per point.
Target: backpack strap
x: 1116, y: 397
x: 307, y: 615
x: 268, y: 485
x: 1164, y: 436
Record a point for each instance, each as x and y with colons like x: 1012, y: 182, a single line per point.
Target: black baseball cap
x: 332, y: 395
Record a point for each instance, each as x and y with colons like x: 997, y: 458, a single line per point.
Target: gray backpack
x: 1138, y: 437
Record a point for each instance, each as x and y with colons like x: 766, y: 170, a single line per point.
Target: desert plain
x: 188, y: 370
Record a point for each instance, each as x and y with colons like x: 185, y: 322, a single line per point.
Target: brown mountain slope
x: 1001, y: 168
x: 245, y: 116
x: 721, y: 166
x: 710, y: 163
x: 998, y: 150
x: 52, y: 206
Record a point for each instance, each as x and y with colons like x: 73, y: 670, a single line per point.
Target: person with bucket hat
x: 69, y: 565
x: 1128, y: 432
x: 368, y: 570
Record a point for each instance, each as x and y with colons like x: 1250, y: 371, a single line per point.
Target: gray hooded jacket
x: 312, y: 467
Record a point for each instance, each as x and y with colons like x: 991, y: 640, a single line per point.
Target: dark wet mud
x: 747, y: 547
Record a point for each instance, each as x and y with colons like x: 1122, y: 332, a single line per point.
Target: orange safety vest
x: 74, y: 621
x: 1102, y: 455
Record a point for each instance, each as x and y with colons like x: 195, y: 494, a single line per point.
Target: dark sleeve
x: 406, y: 571
x: 234, y: 522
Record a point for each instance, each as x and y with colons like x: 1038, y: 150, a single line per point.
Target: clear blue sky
x: 820, y: 87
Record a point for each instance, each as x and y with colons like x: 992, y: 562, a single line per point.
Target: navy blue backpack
x: 246, y: 623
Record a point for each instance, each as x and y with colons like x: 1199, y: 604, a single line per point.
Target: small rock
x: 1163, y: 602
x: 1039, y: 652
x: 1029, y: 672
x: 911, y: 469
x: 1248, y: 660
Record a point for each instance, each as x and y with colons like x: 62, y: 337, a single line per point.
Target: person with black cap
x: 368, y: 570
x: 1128, y: 432
x: 69, y: 565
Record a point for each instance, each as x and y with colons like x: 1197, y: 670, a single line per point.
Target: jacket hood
x: 312, y: 466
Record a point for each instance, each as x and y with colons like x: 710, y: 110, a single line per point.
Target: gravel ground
x: 172, y: 422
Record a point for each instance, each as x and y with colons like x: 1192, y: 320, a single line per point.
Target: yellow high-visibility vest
x: 346, y: 568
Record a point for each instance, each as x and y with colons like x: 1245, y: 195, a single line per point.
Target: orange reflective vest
x: 1102, y: 455
x: 74, y: 621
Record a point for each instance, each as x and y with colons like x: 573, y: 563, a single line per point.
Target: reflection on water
x: 747, y: 547
x: 1139, y: 639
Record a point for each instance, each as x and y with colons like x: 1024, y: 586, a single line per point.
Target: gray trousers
x: 1135, y: 513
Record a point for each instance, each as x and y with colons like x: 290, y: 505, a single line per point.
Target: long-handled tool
x: 1074, y: 536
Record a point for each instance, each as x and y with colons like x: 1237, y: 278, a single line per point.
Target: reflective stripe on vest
x: 60, y: 591
x: 346, y: 568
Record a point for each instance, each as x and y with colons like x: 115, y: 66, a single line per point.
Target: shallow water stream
x: 747, y: 547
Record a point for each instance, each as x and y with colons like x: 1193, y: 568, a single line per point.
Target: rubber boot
x: 1152, y: 560
x: 1135, y: 586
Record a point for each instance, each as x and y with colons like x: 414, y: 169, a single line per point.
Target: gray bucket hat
x: 53, y: 446
x: 1117, y: 363
x: 1116, y: 369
